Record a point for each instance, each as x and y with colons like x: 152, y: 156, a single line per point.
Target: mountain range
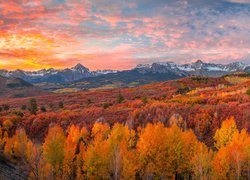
x: 54, y: 75
x: 81, y: 77
x: 198, y: 68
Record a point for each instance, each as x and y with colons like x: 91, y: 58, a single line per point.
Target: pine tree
x: 120, y: 98
x: 33, y: 106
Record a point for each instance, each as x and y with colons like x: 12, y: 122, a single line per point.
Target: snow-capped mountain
x: 210, y: 69
x: 170, y: 69
x: 198, y: 68
x: 161, y: 67
x: 80, y: 69
x: 105, y: 71
x: 27, y: 74
x: 54, y: 75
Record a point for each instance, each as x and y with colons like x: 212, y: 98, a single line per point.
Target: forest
x: 192, y: 128
x: 153, y: 152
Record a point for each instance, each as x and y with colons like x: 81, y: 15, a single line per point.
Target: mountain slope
x: 16, y: 87
x: 202, y: 102
x: 157, y: 72
x: 126, y: 79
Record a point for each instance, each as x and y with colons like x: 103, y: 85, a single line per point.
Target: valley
x: 192, y: 98
x: 193, y: 108
x: 124, y: 90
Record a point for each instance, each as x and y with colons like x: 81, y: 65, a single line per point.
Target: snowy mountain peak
x: 105, y: 71
x: 161, y: 67
x: 198, y: 68
x: 237, y: 64
x: 80, y: 68
x: 142, y: 66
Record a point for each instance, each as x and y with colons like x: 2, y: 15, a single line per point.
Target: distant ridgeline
x: 80, y: 78
x: 78, y: 72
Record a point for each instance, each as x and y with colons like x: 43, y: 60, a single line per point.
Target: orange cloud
x: 47, y: 33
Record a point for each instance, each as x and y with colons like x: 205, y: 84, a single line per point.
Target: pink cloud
x: 72, y: 32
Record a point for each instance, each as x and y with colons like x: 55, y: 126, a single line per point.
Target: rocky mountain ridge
x: 79, y: 72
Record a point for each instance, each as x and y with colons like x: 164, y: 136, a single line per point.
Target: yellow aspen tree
x: 130, y: 160
x: 16, y: 146
x: 232, y: 160
x: 34, y: 156
x: 118, y: 135
x: 97, y: 159
x: 53, y: 149
x: 225, y: 134
x: 202, y: 163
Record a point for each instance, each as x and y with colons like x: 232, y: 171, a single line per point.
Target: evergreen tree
x: 61, y: 105
x: 33, y: 106
x: 6, y: 107
x: 144, y: 100
x: 43, y: 109
x: 24, y: 107
x: 120, y: 98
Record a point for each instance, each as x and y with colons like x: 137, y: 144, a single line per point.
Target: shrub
x: 89, y: 101
x: 144, y: 100
x: 24, y: 107
x: 106, y: 105
x: 183, y: 90
x: 43, y: 108
x: 61, y: 104
x: 7, y: 124
x: 248, y: 92
x: 200, y: 79
x: 51, y: 105
x: 120, y: 98
x: 6, y: 107
x: 18, y: 113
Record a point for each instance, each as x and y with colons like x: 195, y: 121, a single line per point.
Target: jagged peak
x: 237, y: 63
x: 199, y: 62
x: 80, y: 67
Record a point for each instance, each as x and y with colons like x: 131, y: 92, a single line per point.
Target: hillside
x: 124, y: 79
x: 16, y: 88
x: 178, y: 120
x: 202, y: 102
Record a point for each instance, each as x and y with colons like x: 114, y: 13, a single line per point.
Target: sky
x: 119, y: 34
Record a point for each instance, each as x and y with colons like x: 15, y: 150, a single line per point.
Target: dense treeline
x: 118, y: 152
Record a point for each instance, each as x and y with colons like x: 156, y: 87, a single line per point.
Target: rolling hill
x: 17, y: 88
x: 189, y: 110
x: 196, y: 99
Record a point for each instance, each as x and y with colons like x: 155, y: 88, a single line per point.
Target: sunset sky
x: 118, y: 34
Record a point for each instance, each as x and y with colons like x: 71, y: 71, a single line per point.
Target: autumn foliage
x: 189, y: 128
x: 117, y: 152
